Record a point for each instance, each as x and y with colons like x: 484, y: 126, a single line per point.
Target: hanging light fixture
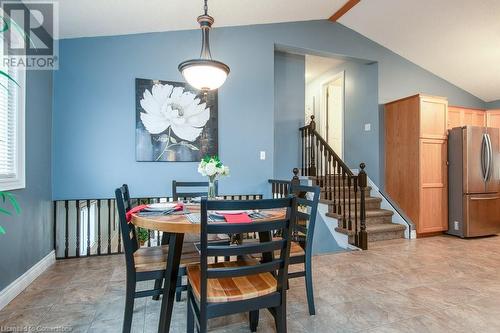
x: 204, y: 73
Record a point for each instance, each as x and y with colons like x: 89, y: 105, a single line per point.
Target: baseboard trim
x: 18, y: 285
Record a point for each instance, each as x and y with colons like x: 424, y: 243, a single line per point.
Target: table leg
x: 171, y: 273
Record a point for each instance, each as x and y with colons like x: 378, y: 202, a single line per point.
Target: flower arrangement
x: 212, y: 167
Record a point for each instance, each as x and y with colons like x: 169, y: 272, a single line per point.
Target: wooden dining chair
x: 184, y: 194
x: 142, y: 263
x: 302, y: 237
x: 243, y: 285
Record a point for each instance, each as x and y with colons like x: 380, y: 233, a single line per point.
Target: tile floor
x: 438, y: 284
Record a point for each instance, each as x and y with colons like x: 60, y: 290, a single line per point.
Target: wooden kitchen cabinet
x: 415, y: 159
x: 493, y: 118
x: 459, y: 116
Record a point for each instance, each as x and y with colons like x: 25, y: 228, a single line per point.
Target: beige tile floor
x: 438, y: 284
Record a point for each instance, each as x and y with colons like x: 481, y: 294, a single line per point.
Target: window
x: 12, y: 159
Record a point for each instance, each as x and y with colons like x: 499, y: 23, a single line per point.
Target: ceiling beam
x: 344, y: 9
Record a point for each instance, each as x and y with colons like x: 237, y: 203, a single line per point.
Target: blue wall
x: 493, y: 105
x: 93, y: 150
x: 289, y: 99
x: 29, y: 236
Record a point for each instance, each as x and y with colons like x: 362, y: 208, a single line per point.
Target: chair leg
x: 158, y: 285
x: 253, y: 318
x: 309, y: 288
x: 129, y: 306
x: 178, y: 288
x: 280, y: 319
x: 190, y: 315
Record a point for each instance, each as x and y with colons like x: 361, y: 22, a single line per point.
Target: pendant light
x: 204, y: 73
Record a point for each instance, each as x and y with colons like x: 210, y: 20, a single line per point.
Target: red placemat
x: 237, y: 218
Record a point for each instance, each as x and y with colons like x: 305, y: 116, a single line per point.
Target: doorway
x: 333, y: 106
x: 325, y: 98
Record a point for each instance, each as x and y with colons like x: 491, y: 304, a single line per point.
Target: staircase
x: 378, y: 221
x: 347, y: 195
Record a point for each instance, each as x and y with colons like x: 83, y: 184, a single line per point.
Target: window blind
x: 8, y: 123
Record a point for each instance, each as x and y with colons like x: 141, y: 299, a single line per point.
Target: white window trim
x: 19, y: 182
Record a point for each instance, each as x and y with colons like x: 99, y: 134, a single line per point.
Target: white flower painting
x: 174, y: 122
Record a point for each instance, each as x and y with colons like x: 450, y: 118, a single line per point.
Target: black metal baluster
x: 349, y: 222
x: 66, y: 231
x: 88, y: 227
x: 109, y: 226
x: 98, y: 227
x: 119, y: 248
x: 302, y: 157
x: 356, y: 222
x: 344, y: 220
x: 77, y: 228
x: 339, y: 198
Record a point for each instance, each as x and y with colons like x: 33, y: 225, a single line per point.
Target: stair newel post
x: 363, y: 236
x: 295, y: 180
x: 356, y: 235
x: 312, y: 146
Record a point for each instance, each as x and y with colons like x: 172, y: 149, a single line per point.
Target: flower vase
x: 211, y: 188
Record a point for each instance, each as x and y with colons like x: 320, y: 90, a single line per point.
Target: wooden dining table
x: 175, y: 226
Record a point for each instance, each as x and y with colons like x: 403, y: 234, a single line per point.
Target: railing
x: 343, y: 190
x: 281, y: 188
x: 89, y: 227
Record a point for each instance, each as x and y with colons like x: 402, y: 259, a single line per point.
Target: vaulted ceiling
x: 458, y: 40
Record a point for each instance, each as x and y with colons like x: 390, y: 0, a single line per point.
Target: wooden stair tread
x: 235, y: 288
x: 154, y: 258
x: 367, y: 199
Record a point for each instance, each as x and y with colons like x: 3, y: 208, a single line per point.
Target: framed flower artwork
x: 174, y: 122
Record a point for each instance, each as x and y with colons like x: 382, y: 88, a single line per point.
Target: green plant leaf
x: 2, y: 230
x: 9, y: 77
x: 13, y: 202
x: 4, y: 211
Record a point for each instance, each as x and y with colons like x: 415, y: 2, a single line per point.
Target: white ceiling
x: 316, y: 66
x: 83, y: 18
x: 458, y: 40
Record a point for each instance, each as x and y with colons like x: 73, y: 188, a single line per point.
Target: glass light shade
x: 204, y: 74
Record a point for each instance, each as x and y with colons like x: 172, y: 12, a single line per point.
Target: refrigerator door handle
x: 483, y: 155
x: 489, y: 166
x: 481, y: 198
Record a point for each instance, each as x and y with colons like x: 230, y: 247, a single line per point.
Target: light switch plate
x: 368, y: 127
x: 262, y: 155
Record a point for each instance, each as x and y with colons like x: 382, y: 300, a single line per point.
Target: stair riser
x: 371, y: 220
x: 370, y: 205
x: 381, y: 236
x: 324, y: 195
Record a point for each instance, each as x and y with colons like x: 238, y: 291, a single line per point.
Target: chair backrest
x: 307, y: 200
x: 185, y: 194
x: 128, y: 233
x: 265, y: 227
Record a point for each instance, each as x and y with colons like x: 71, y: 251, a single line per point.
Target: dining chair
x: 189, y: 240
x: 142, y: 263
x: 302, y: 237
x: 243, y: 285
x: 184, y: 194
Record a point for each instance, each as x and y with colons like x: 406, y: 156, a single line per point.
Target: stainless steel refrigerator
x: 473, y: 181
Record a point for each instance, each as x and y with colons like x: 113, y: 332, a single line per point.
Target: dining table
x: 174, y: 227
